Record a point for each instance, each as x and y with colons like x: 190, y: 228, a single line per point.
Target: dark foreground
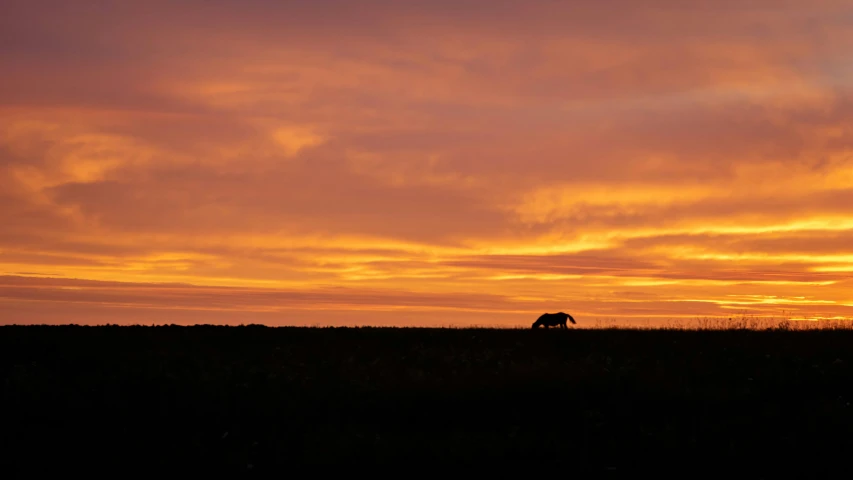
x: 254, y: 400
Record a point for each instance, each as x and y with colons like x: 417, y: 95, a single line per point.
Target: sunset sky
x: 448, y: 162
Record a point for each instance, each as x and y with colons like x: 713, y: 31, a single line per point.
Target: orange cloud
x: 431, y: 163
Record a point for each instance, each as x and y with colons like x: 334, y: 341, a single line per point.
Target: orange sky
x: 422, y: 163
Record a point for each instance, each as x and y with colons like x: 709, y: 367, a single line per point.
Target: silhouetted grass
x: 254, y: 400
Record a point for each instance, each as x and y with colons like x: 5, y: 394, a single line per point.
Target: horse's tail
x: 571, y: 319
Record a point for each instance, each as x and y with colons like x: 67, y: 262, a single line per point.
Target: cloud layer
x: 425, y: 162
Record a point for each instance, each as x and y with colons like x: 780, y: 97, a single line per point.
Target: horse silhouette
x: 553, y: 319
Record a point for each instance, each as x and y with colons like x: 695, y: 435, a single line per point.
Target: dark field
x: 255, y: 400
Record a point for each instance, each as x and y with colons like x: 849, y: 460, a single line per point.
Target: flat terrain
x: 253, y: 400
